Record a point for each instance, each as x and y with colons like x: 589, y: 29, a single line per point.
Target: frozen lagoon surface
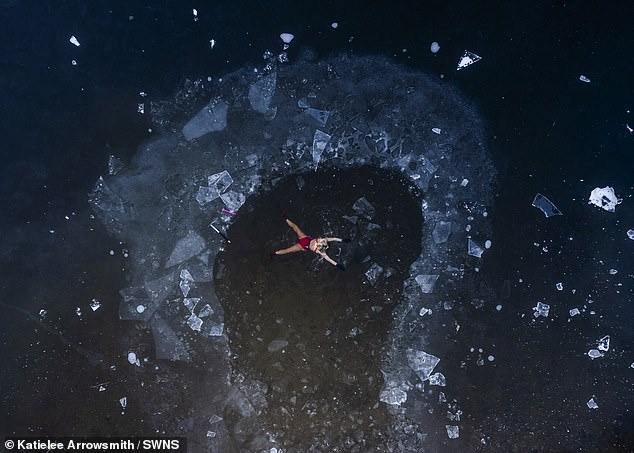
x: 340, y: 340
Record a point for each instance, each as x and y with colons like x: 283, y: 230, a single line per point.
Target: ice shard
x: 393, y: 395
x: 166, y: 343
x: 541, y: 310
x: 191, y: 245
x: 421, y: 363
x: 426, y: 282
x: 546, y: 206
x: 363, y: 207
x: 261, y: 92
x: 320, y: 140
x: 441, y: 232
x: 474, y: 249
x: 453, y: 432
x: 233, y: 200
x: 212, y: 118
x: 105, y: 199
x: 467, y: 59
x: 374, y: 273
x: 321, y: 116
x: 605, y: 198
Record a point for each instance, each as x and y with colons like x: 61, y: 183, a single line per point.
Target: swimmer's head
x: 322, y: 245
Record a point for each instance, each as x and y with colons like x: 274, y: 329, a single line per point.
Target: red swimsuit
x: 305, y: 242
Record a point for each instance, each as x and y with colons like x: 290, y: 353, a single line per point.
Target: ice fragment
x: 594, y: 354
x: 441, y: 232
x: 320, y: 140
x: 194, y: 322
x: 73, y: 40
x: 206, y: 311
x: 277, y: 345
x: 133, y: 359
x: 541, y: 310
x: 437, y: 379
x: 574, y: 312
x: 233, y: 200
x: 393, y: 395
x: 211, y: 118
x: 592, y: 404
x: 630, y: 234
x: 363, y: 207
x: 217, y: 330
x: 436, y: 130
x: 124, y: 402
x: 604, y: 198
x: 321, y: 116
x: 190, y: 303
x: 452, y: 431
x: 467, y: 59
x: 426, y: 282
x: 95, y: 304
x: 261, y: 92
x: 105, y: 199
x: 584, y: 78
x: 287, y: 37
x: 559, y: 286
x: 434, y: 47
x: 115, y: 165
x: 423, y: 311
x: 474, y: 249
x: 374, y: 273
x: 190, y: 245
x: 140, y: 308
x: 421, y: 363
x: 604, y: 343
x: 487, y: 244
x: 546, y: 206
x: 613, y: 272
x: 334, y: 24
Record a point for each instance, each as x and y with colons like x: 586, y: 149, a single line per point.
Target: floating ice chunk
x: 423, y: 311
x: 95, y: 304
x: 206, y: 311
x: 421, y: 363
x: 546, y: 206
x: 74, y: 40
x: 217, y: 330
x: 541, y: 310
x: 604, y: 343
x: 261, y: 92
x: 487, y: 244
x: 437, y: 379
x: 630, y: 234
x: 191, y: 245
x: 133, y: 359
x: 277, y: 345
x: 426, y: 282
x: 441, y: 232
x: 167, y: 344
x: 441, y: 397
x: 115, y: 165
x: 334, y: 24
x: 490, y: 358
x: 584, y: 78
x: 453, y: 432
x: 574, y: 312
x: 140, y: 108
x: 185, y: 287
x: 186, y: 275
x: 211, y: 434
x: 594, y: 354
x: 194, y: 322
x: 320, y: 140
x: 191, y: 302
x: 436, y: 130
x: 613, y: 272
x: 604, y: 198
x: 393, y: 395
x: 217, y: 183
x: 211, y: 118
x: 559, y: 286
x: 474, y: 249
x: 206, y: 194
x: 467, y: 59
x: 363, y: 207
x: 123, y: 402
x: 434, y: 47
x: 105, y: 199
x: 321, y: 116
x: 78, y: 311
x: 592, y: 404
x: 287, y: 37
x: 374, y: 273
x: 233, y: 200
x: 140, y: 308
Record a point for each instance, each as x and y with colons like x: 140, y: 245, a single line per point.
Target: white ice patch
x: 287, y: 37
x: 422, y: 363
x: 73, y: 40
x: 434, y: 47
x: 211, y: 118
x: 584, y: 78
x: 467, y: 59
x: 604, y: 198
x: 592, y: 404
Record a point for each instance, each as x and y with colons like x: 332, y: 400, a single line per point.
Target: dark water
x: 550, y: 133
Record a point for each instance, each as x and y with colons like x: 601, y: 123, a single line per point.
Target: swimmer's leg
x: 296, y: 229
x: 291, y: 249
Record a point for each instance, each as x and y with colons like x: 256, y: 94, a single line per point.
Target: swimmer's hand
x: 340, y: 266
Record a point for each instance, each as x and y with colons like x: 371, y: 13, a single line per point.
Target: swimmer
x: 305, y: 242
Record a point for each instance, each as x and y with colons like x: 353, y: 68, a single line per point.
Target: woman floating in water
x: 317, y: 245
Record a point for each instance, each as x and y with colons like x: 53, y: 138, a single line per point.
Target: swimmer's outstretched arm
x: 327, y: 258
x: 333, y: 239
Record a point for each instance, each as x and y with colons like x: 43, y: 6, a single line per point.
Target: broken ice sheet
x: 426, y: 282
x: 320, y: 140
x: 211, y: 118
x: 594, y: 354
x: 453, y: 432
x: 546, y: 206
x: 190, y: 303
x: 217, y: 183
x: 190, y: 245
x: 604, y: 343
x: 422, y: 363
x: 115, y: 165
x: 261, y: 92
x: 441, y: 232
x: 393, y: 395
x: 206, y: 311
x: 217, y: 330
x: 363, y: 207
x: 233, y: 200
x: 321, y: 116
x: 541, y: 310
x: 467, y: 59
x: 604, y: 198
x: 277, y: 345
x: 474, y: 249
x: 592, y: 404
x: 95, y: 304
